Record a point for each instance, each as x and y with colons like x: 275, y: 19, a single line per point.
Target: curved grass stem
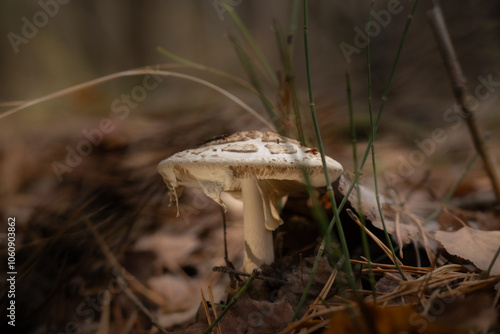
x: 135, y: 72
x: 374, y: 163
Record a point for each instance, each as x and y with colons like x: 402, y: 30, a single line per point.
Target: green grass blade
x: 253, y: 44
x: 336, y: 220
x: 270, y: 108
x: 382, y: 105
x: 374, y: 163
x: 191, y: 64
x: 181, y: 60
x: 364, y: 238
x: 384, y: 99
x: 329, y: 188
x: 254, y: 80
x: 452, y: 190
x: 395, y: 63
x: 495, y: 257
x: 288, y: 89
x: 351, y: 121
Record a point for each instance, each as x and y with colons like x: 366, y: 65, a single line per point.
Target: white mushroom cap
x: 275, y: 163
x: 221, y: 164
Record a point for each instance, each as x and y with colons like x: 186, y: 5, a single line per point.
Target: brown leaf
x: 384, y: 320
x: 479, y: 247
x: 177, y: 291
x: 451, y: 221
x: 488, y: 221
x: 171, y: 250
x: 407, y: 230
x: 475, y: 311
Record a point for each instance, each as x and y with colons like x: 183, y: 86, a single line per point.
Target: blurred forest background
x: 79, y: 41
x: 85, y: 40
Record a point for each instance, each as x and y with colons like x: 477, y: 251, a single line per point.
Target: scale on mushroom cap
x: 258, y: 168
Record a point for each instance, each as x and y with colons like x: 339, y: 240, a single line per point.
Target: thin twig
x: 390, y: 253
x: 135, y: 72
x: 205, y: 307
x: 493, y: 261
x: 233, y: 271
x: 452, y: 190
x: 226, y: 257
x: 461, y: 93
x: 118, y: 269
x: 233, y: 277
x: 214, y: 308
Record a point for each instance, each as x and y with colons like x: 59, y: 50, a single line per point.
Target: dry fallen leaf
x: 177, y: 291
x: 384, y: 320
x: 488, y: 220
x: 406, y: 230
x: 172, y: 250
x: 452, y: 221
x: 477, y: 246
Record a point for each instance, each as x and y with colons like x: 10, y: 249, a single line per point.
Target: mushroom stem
x: 259, y: 248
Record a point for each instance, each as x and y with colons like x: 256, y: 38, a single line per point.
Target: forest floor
x: 101, y: 251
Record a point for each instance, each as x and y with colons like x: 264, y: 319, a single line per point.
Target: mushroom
x: 260, y: 168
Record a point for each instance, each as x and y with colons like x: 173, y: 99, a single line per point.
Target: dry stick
x: 130, y: 323
x: 214, y: 308
x: 459, y: 87
x: 255, y: 273
x: 226, y: 257
x: 232, y: 271
x: 205, y: 307
x: 384, y: 248
x: 113, y: 262
x: 495, y: 257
